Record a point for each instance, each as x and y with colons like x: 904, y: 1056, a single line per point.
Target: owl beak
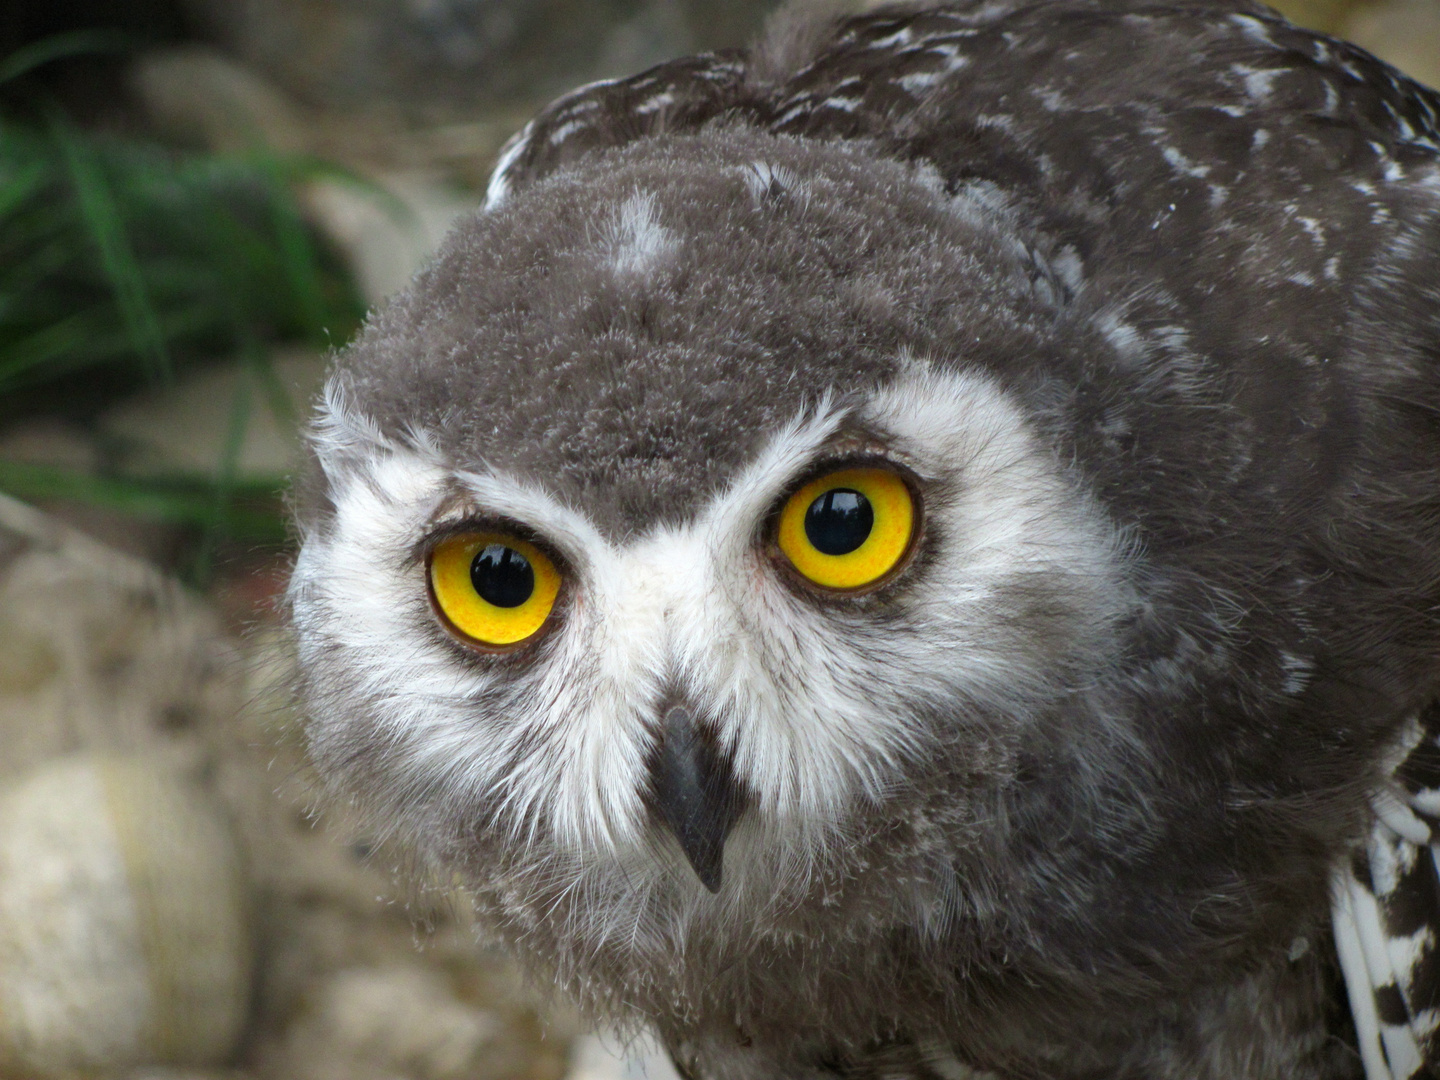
x: 695, y: 793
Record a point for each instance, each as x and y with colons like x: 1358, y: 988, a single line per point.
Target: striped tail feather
x: 1386, y: 914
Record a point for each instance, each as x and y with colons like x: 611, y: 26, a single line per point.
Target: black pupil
x: 502, y: 576
x: 839, y: 521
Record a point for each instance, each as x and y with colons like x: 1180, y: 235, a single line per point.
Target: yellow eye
x: 494, y: 589
x: 848, y: 529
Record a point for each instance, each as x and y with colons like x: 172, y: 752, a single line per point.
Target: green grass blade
x: 57, y: 47
x: 298, y: 258
x: 20, y: 183
x: 176, y: 502
x: 82, y: 339
x: 276, y: 394
x: 117, y: 256
x: 219, y: 524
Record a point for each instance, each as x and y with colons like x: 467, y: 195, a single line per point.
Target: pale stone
x: 45, y: 440
x: 430, y: 56
x: 106, y: 652
x: 59, y: 444
x: 598, y: 1057
x: 402, y: 1019
x: 659, y: 32
x: 27, y: 662
x: 1323, y: 15
x: 123, y: 928
x: 199, y: 96
x: 144, y: 668
x: 183, y: 428
x: 407, y: 1018
x: 388, y: 230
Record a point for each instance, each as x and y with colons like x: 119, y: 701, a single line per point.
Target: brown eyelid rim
x: 861, y: 460
x: 424, y: 551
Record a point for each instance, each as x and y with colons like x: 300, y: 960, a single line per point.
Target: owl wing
x: 1147, y: 146
x: 1000, y: 90
x: 1386, y: 913
x: 676, y: 96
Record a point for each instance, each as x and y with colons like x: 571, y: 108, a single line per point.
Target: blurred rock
x: 401, y: 1021
x: 1323, y: 15
x: 420, y: 54
x: 102, y: 653
x: 183, y: 429
x: 387, y: 231
x: 56, y: 443
x: 106, y: 657
x: 123, y: 919
x: 400, y: 196
x: 593, y: 1057
x: 45, y: 440
x: 199, y: 97
x: 1405, y: 33
x: 448, y: 58
x: 660, y: 31
x: 27, y: 663
x: 156, y: 542
x: 464, y: 152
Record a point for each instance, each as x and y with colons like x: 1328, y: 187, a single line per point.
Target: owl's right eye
x: 493, y: 589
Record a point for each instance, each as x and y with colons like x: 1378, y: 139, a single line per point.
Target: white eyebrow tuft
x: 789, y: 452
x: 508, y: 496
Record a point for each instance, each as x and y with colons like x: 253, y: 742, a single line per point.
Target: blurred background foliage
x: 122, y: 263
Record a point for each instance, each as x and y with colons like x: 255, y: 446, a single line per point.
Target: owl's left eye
x: 849, y: 529
x: 493, y: 589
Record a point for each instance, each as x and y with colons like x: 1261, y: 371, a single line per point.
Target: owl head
x: 687, y: 545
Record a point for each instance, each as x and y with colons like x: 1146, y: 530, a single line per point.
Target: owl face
x: 660, y: 549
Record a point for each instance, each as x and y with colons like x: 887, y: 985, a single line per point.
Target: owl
x: 912, y: 550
